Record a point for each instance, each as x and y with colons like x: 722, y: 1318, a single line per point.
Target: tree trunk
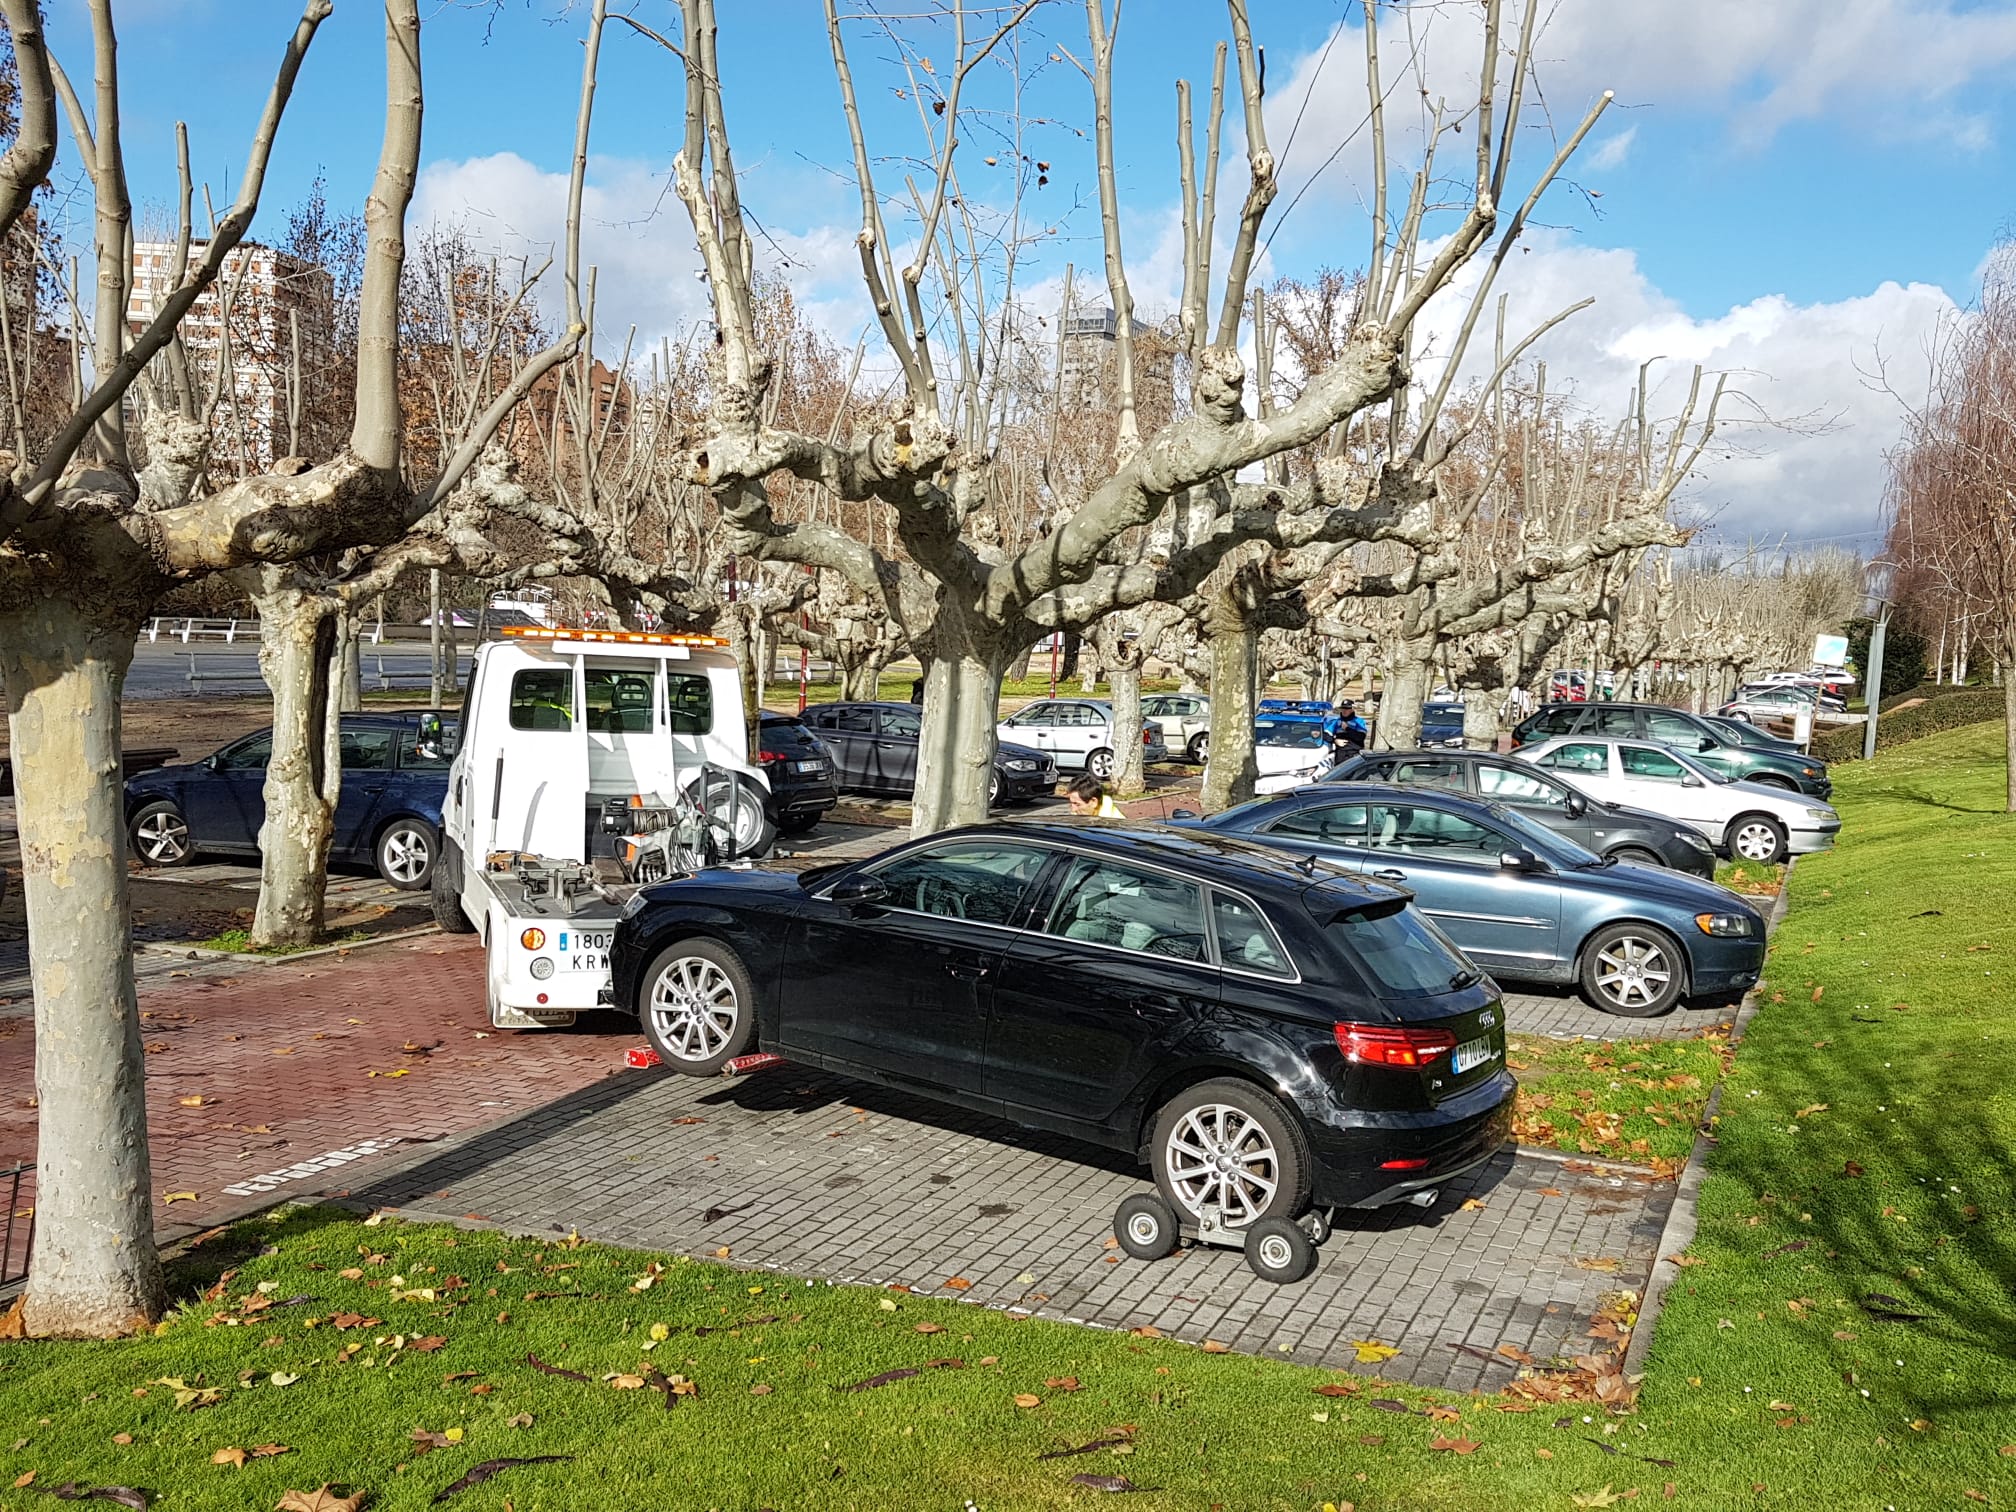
x: 304, y: 776
x: 350, y: 667
x: 1130, y: 761
x: 1407, y: 683
x: 962, y: 701
x: 1230, y: 771
x: 2008, y: 671
x: 861, y: 679
x: 1067, y: 667
x: 1480, y: 718
x: 95, y: 1272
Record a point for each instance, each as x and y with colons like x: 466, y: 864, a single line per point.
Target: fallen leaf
x: 1027, y: 1399
x: 1604, y: 1498
x: 554, y: 1370
x: 1062, y: 1383
x: 344, y: 1320
x: 1552, y: 1192
x: 1811, y: 1108
x: 1212, y: 1346
x: 519, y: 1420
x: 903, y: 1373
x: 1604, y: 1263
x: 930, y: 1328
x: 122, y: 1438
x: 1453, y: 1446
x: 169, y: 1197
x: 959, y: 1283
x: 1146, y: 1331
x: 1105, y: 1443
x: 626, y: 1382
x: 1335, y: 1389
x: 427, y: 1345
x: 24, y: 1481
x: 1471, y: 1205
x: 281, y: 1378
x: 1371, y: 1351
x: 193, y: 1102
x: 481, y: 1473
x: 125, y: 1496
x: 232, y: 1456
x: 1104, y: 1482
x: 1437, y: 1413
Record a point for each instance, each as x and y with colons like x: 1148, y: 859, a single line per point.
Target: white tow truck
x: 588, y: 762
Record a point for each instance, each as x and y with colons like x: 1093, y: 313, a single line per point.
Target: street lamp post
x: 1877, y: 578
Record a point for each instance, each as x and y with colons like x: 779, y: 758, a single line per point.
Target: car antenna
x: 1308, y: 864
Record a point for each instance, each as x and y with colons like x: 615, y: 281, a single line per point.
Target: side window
x: 1246, y: 941
x: 1644, y: 761
x: 1593, y: 759
x: 856, y: 721
x: 1158, y: 708
x: 248, y: 755
x: 1416, y: 831
x: 901, y: 722
x: 819, y: 719
x: 1558, y: 720
x: 1035, y: 714
x: 1508, y: 786
x: 1104, y: 903
x: 1614, y: 722
x: 1339, y: 823
x: 1672, y: 730
x: 542, y: 698
x: 618, y: 700
x: 972, y: 880
x: 410, y: 759
x: 689, y: 703
x: 1077, y: 716
x: 1447, y: 775
x: 365, y: 750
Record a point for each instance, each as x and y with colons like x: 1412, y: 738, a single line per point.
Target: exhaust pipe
x: 1426, y: 1198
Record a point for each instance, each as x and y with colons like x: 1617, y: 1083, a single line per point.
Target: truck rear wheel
x: 444, y: 894
x: 736, y: 811
x: 697, y: 1006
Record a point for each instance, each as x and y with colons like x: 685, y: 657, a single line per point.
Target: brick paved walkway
x: 1561, y: 1012
x: 282, y: 1055
x: 808, y: 1174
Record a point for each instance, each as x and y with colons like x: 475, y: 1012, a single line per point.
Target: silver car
x: 1184, y: 720
x: 1077, y: 732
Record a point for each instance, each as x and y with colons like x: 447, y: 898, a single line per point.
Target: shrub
x: 1962, y: 706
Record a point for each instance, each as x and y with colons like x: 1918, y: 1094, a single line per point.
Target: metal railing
x: 186, y: 630
x: 17, y: 1229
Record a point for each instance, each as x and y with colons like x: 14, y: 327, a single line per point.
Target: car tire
x: 754, y: 832
x: 697, y: 1006
x: 406, y: 853
x: 1199, y: 749
x: 444, y: 894
x: 1100, y: 763
x: 159, y: 835
x: 994, y: 787
x: 1756, y: 837
x: 1637, y: 855
x: 1238, y: 1118
x: 798, y: 824
x: 1739, y: 716
x: 1146, y: 1227
x: 1633, y: 971
x: 1773, y: 780
x: 1279, y: 1251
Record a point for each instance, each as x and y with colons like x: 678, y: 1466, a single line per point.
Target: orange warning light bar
x: 610, y: 637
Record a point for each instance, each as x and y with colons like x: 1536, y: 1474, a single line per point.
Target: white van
x: 563, y: 733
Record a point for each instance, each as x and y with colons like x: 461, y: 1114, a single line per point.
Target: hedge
x: 1972, y: 706
x: 1924, y: 691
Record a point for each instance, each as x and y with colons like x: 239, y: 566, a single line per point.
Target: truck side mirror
x: 859, y: 893
x: 429, y: 743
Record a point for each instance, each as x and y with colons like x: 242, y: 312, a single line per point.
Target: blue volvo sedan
x: 389, y: 814
x: 1524, y: 902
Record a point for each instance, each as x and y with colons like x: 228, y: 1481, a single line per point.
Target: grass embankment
x: 1863, y: 1173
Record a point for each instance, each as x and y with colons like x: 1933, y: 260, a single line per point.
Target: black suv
x: 1608, y: 829
x: 803, y: 784
x: 1697, y: 737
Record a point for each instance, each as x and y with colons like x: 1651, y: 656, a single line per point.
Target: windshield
x: 1303, y: 736
x: 1400, y: 951
x: 1541, y: 840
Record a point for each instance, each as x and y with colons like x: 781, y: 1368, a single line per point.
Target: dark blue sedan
x: 389, y: 813
x: 1522, y: 901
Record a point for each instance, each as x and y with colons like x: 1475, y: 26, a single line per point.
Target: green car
x: 1714, y: 748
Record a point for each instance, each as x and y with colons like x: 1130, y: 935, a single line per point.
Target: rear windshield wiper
x: 1464, y: 978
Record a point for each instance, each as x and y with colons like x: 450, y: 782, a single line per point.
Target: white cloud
x: 1612, y: 150
x: 1801, y: 447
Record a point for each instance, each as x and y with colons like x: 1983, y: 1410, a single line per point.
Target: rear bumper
x: 1351, y: 1145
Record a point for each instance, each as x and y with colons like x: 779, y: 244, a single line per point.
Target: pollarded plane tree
x: 88, y: 543
x: 929, y: 465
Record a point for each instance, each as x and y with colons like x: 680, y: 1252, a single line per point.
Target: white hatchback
x: 1078, y: 732
x: 1745, y: 820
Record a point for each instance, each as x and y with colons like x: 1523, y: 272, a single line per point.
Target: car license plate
x: 1474, y: 1053
x: 585, y: 949
x: 808, y: 766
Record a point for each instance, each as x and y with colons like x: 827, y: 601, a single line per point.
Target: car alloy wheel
x: 1757, y: 839
x: 1200, y: 748
x: 994, y: 788
x: 406, y: 855
x: 1221, y: 1155
x: 162, y: 837
x: 695, y: 1009
x: 1634, y: 973
x: 1100, y: 764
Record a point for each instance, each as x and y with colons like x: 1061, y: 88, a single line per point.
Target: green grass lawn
x: 1863, y: 1169
x: 1636, y: 1101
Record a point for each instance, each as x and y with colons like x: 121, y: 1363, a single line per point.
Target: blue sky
x: 1787, y: 189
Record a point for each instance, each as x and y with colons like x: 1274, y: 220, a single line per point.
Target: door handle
x: 967, y: 971
x: 1156, y: 1008
x: 1389, y: 875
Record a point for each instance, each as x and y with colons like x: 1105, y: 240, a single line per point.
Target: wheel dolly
x: 1281, y: 1250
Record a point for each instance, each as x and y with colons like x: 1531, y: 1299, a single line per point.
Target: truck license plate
x: 586, y: 949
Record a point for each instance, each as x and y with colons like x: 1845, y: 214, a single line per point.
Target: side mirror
x: 429, y: 743
x: 1688, y: 779
x: 1520, y: 860
x: 1706, y: 744
x: 1577, y: 805
x: 860, y: 892
x: 1183, y: 814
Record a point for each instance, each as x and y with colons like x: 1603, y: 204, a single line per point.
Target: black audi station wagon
x: 1268, y: 1034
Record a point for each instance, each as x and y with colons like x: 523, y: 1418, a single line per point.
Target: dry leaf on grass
x: 1453, y: 1446
x: 322, y: 1500
x: 1027, y: 1399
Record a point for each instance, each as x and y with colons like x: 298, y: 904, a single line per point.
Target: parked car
x: 1268, y: 1036
x: 1442, y: 724
x: 1682, y: 731
x: 389, y: 813
x: 1609, y: 829
x: 874, y: 750
x: 1744, y: 733
x: 1289, y: 752
x: 803, y: 781
x: 1567, y: 687
x: 1522, y: 901
x: 1303, y: 710
x: 1184, y: 720
x: 1745, y: 820
x: 1076, y: 733
x: 1780, y: 701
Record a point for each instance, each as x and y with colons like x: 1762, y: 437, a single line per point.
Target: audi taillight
x: 771, y: 756
x: 1392, y: 1044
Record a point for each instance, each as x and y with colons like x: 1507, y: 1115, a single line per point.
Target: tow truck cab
x: 555, y: 725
